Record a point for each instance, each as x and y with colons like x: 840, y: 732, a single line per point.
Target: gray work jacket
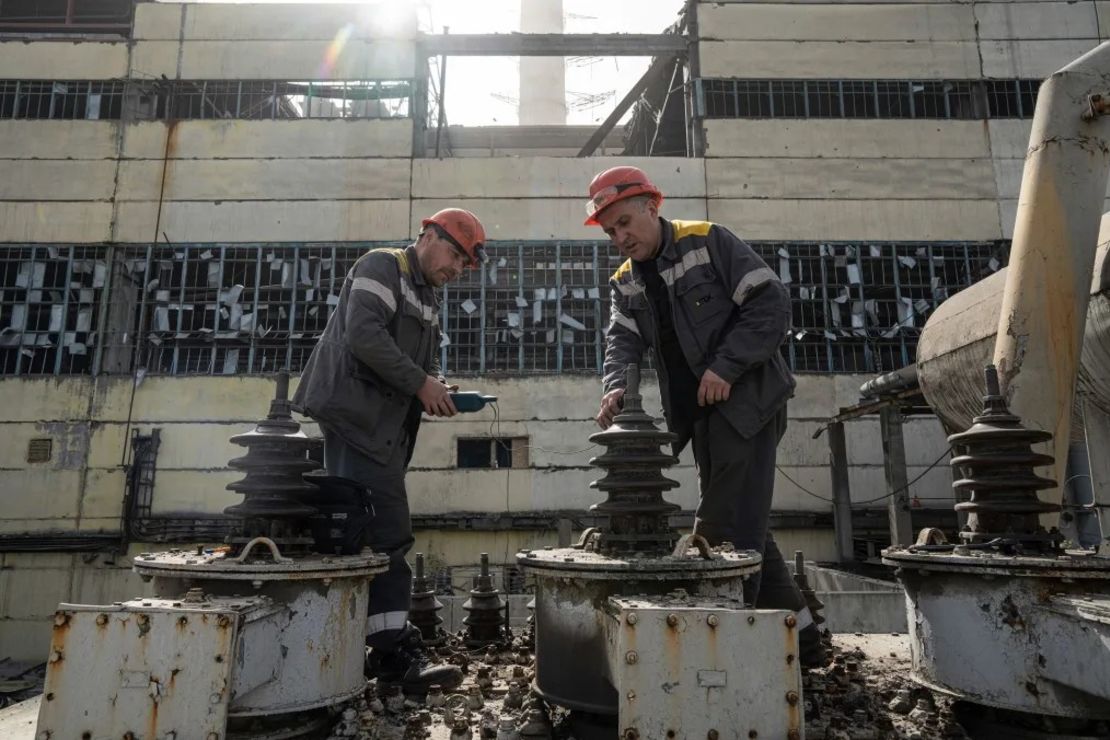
x: 731, y: 314
x: 378, y: 347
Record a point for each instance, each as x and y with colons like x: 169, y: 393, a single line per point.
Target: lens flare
x: 335, y: 48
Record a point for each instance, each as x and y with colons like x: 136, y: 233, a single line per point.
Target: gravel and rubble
x: 863, y: 693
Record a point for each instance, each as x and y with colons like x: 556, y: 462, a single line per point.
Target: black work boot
x: 409, y: 665
x: 811, y: 647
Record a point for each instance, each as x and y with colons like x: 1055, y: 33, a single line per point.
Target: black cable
x: 915, y: 480
x: 936, y: 462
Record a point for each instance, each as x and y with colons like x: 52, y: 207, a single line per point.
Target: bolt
x: 213, y: 736
x: 568, y: 560
x: 793, y: 735
x: 631, y: 734
x: 146, y: 603
x: 144, y: 619
x: 712, y: 620
x: 791, y: 697
x: 55, y: 656
x: 60, y: 618
x: 751, y: 620
x: 631, y: 696
x: 102, y: 619
x: 50, y: 696
x: 631, y: 657
x: 790, y: 621
x: 712, y: 735
x: 632, y: 618
x: 790, y: 658
x: 672, y: 620
x: 215, y: 698
x: 224, y: 620
x: 753, y: 734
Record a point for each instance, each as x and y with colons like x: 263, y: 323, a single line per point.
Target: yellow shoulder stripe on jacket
x: 690, y: 228
x: 626, y: 267
x: 402, y: 259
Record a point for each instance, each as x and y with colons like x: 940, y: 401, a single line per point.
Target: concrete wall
x: 878, y: 179
x: 82, y: 488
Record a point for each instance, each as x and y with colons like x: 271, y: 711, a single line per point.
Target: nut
x: 631, y: 657
x: 791, y: 621
x: 102, y: 619
x: 712, y: 620
x: 631, y: 734
x: 793, y: 735
x: 672, y: 620
x: 60, y: 619
x: 751, y: 620
x: 791, y: 697
x: 632, y: 618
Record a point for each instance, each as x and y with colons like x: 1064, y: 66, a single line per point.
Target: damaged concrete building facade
x: 186, y: 184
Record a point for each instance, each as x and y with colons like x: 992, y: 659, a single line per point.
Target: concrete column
x: 543, y: 88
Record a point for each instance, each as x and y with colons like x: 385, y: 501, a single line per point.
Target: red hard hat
x: 463, y: 229
x: 616, y: 184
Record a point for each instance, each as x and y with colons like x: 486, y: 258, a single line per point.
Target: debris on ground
x: 863, y: 693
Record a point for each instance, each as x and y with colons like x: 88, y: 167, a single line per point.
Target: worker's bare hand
x: 433, y: 396
x: 712, y: 389
x: 610, y: 407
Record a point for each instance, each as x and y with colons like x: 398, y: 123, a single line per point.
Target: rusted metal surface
x: 312, y: 656
x: 997, y: 462
x: 634, y: 481
x: 142, y: 669
x: 1018, y: 639
x: 485, y: 610
x: 570, y: 638
x: 218, y: 564
x: 573, y: 562
x: 694, y: 668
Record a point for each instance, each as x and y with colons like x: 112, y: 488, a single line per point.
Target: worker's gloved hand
x: 712, y: 389
x: 435, y: 399
x: 610, y: 406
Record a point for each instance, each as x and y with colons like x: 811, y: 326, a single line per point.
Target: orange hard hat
x: 616, y: 184
x: 463, y: 229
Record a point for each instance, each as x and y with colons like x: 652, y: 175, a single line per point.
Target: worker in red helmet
x: 369, y: 378
x: 714, y: 316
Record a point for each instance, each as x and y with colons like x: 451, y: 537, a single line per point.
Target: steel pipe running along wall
x: 1038, y: 309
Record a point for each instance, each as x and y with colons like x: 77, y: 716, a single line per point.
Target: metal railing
x: 536, y: 307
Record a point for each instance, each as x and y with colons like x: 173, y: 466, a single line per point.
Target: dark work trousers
x: 736, y: 477
x: 390, y: 533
